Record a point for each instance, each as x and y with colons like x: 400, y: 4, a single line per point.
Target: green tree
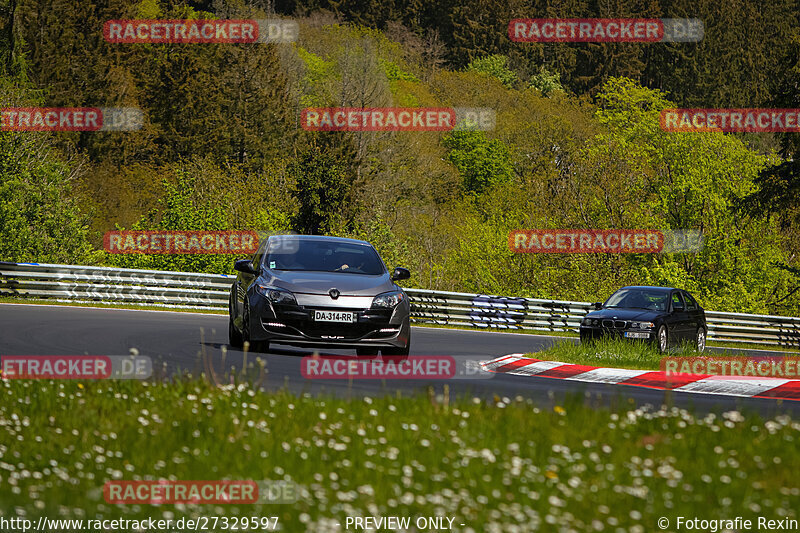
x: 482, y: 162
x: 39, y: 220
x: 496, y: 66
x: 546, y: 82
x: 690, y: 181
x: 180, y: 209
x: 323, y: 178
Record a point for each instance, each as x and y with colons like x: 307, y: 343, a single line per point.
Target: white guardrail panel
x: 189, y: 290
x: 108, y: 284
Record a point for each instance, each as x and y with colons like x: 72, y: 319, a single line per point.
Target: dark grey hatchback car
x: 319, y: 291
x: 664, y: 316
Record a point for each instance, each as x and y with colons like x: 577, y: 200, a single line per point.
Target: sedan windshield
x: 639, y: 299
x: 326, y: 256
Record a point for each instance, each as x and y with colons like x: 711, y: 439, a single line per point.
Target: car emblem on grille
x: 334, y: 293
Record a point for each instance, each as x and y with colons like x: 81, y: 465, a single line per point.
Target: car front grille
x: 302, y: 324
x: 614, y: 324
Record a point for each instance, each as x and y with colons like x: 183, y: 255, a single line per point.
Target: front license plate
x: 334, y: 316
x: 636, y: 335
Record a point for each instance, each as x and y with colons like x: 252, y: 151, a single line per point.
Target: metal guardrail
x: 88, y: 284
x: 186, y: 290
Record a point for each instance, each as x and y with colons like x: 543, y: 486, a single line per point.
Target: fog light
x: 387, y: 330
x: 275, y: 325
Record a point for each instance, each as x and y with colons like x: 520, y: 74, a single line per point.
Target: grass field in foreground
x: 619, y: 353
x: 503, y: 466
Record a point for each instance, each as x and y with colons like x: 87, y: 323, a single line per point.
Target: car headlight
x: 588, y: 321
x: 277, y: 296
x: 388, y: 299
x: 642, y: 325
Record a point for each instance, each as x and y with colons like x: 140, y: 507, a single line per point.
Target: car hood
x: 621, y: 313
x: 321, y: 282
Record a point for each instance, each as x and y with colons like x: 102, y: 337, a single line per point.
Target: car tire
x: 234, y: 336
x: 662, y: 339
x: 398, y: 353
x: 700, y: 340
x: 252, y: 346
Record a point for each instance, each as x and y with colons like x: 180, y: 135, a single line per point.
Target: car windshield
x: 326, y: 256
x: 639, y: 299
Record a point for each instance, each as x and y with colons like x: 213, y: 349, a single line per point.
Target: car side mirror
x: 400, y: 274
x: 597, y: 305
x: 244, y: 265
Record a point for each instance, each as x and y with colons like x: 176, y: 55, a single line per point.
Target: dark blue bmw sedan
x: 664, y: 316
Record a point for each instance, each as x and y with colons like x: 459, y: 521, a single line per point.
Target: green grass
x: 616, y: 353
x: 503, y: 465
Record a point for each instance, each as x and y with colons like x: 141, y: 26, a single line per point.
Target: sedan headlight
x: 388, y: 300
x: 588, y: 321
x: 277, y: 296
x: 642, y: 325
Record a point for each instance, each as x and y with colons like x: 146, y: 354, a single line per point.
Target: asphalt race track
x: 177, y: 339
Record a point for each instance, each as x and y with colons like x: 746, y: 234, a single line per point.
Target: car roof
x: 650, y: 287
x: 324, y: 238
